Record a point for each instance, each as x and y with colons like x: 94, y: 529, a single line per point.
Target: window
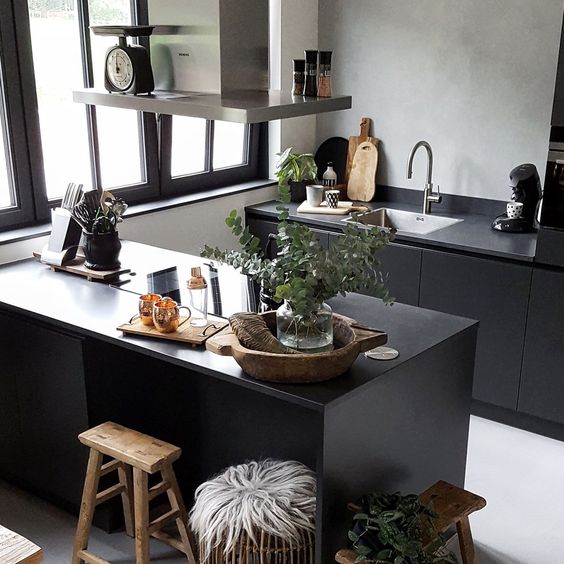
x: 7, y: 199
x: 47, y: 50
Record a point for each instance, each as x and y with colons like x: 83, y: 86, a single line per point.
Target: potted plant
x: 304, y: 274
x: 296, y: 170
x: 397, y: 529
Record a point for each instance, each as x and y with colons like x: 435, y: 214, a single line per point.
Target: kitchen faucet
x: 428, y: 195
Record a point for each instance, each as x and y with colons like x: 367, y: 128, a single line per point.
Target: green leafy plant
x: 295, y: 167
x: 390, y: 528
x: 108, y: 215
x: 304, y: 273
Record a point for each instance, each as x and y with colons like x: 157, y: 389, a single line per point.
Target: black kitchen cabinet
x: 542, y: 383
x: 495, y: 293
x: 10, y: 433
x: 402, y: 266
x: 261, y: 228
x: 49, y: 459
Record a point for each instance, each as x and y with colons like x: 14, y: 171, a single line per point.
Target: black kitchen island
x: 395, y: 425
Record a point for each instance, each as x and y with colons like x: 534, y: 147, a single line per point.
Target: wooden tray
x: 300, y: 368
x: 185, y: 332
x: 343, y: 209
x: 76, y: 266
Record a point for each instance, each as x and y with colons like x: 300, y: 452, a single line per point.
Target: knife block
x: 64, y: 239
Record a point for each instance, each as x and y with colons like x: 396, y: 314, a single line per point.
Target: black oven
x: 552, y: 211
x: 550, y: 241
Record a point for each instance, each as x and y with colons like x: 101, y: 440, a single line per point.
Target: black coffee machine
x: 526, y: 187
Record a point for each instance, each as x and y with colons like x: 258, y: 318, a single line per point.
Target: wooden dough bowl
x: 351, y: 339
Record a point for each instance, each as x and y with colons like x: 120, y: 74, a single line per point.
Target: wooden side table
x: 452, y: 505
x: 15, y: 549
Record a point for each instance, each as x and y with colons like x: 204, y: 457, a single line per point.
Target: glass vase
x: 310, y: 334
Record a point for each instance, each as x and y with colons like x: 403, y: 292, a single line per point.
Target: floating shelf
x: 241, y: 107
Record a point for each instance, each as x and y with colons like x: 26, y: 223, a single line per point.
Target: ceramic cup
x: 146, y: 303
x: 166, y: 315
x: 332, y: 197
x: 314, y: 194
x: 514, y: 210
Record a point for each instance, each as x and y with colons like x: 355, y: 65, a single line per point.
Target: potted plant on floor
x: 296, y: 170
x: 397, y: 529
x: 304, y: 274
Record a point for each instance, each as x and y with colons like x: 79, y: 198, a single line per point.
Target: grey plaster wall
x: 473, y: 77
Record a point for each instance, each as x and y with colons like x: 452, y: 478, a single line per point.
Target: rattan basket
x: 267, y: 550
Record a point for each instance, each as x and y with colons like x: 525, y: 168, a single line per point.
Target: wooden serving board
x: 76, y: 266
x: 185, y: 332
x: 355, y: 141
x: 343, y: 209
x: 362, y: 181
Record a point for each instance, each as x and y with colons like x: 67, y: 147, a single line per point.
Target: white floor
x: 520, y: 474
x: 522, y: 477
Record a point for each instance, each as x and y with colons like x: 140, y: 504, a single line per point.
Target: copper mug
x: 166, y: 315
x: 146, y: 303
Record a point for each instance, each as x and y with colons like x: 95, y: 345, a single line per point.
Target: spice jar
x: 299, y: 77
x: 310, y: 73
x: 324, y: 89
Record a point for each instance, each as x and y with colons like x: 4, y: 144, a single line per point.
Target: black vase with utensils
x: 101, y: 251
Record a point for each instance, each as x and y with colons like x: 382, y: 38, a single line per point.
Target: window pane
x: 6, y: 192
x: 120, y: 154
x: 58, y: 71
x: 119, y: 135
x: 102, y: 12
x: 229, y: 144
x: 188, y: 146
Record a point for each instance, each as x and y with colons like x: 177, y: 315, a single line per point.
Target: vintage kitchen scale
x: 127, y: 67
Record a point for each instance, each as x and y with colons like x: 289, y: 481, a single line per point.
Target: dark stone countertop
x: 94, y: 310
x: 473, y: 235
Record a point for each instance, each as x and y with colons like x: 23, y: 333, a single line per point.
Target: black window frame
x: 31, y: 200
x: 25, y: 135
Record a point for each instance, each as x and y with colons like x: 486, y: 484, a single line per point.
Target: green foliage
x: 108, y: 215
x: 388, y: 530
x: 293, y: 167
x: 304, y: 273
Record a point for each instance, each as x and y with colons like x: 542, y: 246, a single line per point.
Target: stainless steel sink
x: 404, y: 221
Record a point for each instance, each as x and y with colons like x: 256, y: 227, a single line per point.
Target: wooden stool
x: 452, y: 506
x: 145, y: 455
x: 15, y: 549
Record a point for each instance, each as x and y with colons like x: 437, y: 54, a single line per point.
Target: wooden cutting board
x: 362, y: 180
x: 355, y: 141
x: 76, y: 266
x: 343, y: 209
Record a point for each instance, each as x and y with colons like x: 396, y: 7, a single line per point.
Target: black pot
x: 101, y: 251
x: 297, y: 191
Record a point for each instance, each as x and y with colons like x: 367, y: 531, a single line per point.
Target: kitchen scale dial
x: 127, y: 67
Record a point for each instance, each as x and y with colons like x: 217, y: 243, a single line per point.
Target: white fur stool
x: 256, y: 512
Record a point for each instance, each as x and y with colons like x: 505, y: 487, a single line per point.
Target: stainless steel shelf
x: 241, y: 107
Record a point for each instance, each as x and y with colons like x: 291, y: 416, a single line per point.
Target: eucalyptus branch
x: 303, y: 272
